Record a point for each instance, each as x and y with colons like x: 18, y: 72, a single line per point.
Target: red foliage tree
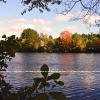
x: 97, y: 42
x: 66, y: 38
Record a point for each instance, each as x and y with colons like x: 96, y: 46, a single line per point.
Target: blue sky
x: 50, y: 23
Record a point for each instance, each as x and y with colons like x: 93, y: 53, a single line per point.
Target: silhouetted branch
x: 86, y: 7
x: 3, y: 1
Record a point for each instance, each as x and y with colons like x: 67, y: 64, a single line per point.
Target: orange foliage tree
x: 66, y: 38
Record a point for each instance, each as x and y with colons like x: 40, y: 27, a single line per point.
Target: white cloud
x: 23, y: 26
x: 90, y: 19
x: 47, y: 29
x: 72, y: 16
x: 18, y: 21
x: 71, y: 29
x: 2, y: 22
x: 17, y: 29
x: 16, y: 26
x: 29, y: 26
x: 93, y: 19
x: 41, y: 22
x: 3, y: 30
x: 62, y: 18
x: 6, y: 31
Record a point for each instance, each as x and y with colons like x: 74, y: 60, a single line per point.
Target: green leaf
x: 61, y: 83
x: 42, y: 96
x: 5, y: 65
x: 54, y: 76
x: 41, y: 10
x: 58, y: 95
x: 4, y: 36
x: 53, y: 86
x: 37, y: 81
x: 45, y: 84
x: 30, y: 90
x: 44, y: 70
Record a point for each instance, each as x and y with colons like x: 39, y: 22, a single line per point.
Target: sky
x: 50, y: 23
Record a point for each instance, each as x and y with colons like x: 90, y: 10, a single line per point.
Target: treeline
x: 31, y: 41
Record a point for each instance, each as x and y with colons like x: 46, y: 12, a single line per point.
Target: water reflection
x: 88, y: 79
x: 77, y: 85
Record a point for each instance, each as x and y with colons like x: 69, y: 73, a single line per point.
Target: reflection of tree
x: 68, y: 70
x: 88, y: 79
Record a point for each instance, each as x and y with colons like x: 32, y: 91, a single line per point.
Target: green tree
x: 43, y: 42
x: 79, y: 42
x: 29, y: 40
x: 58, y: 46
x: 8, y: 48
x: 50, y: 44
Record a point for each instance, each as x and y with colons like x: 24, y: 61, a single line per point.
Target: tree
x: 66, y: 38
x: 57, y: 46
x: 79, y: 41
x: 8, y: 48
x: 29, y: 40
x: 43, y: 42
x: 50, y: 44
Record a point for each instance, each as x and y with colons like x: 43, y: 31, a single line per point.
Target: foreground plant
x: 40, y: 84
x: 8, y: 48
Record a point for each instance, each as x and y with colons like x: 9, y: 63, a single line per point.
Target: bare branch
x: 85, y: 7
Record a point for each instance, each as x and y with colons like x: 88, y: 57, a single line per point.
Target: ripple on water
x: 78, y: 86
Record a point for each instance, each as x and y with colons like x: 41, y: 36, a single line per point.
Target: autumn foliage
x: 66, y: 38
x: 98, y: 42
x: 32, y: 41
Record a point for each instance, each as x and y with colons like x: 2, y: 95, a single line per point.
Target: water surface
x: 81, y: 76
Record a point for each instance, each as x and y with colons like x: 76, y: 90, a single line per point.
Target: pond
x: 79, y: 71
